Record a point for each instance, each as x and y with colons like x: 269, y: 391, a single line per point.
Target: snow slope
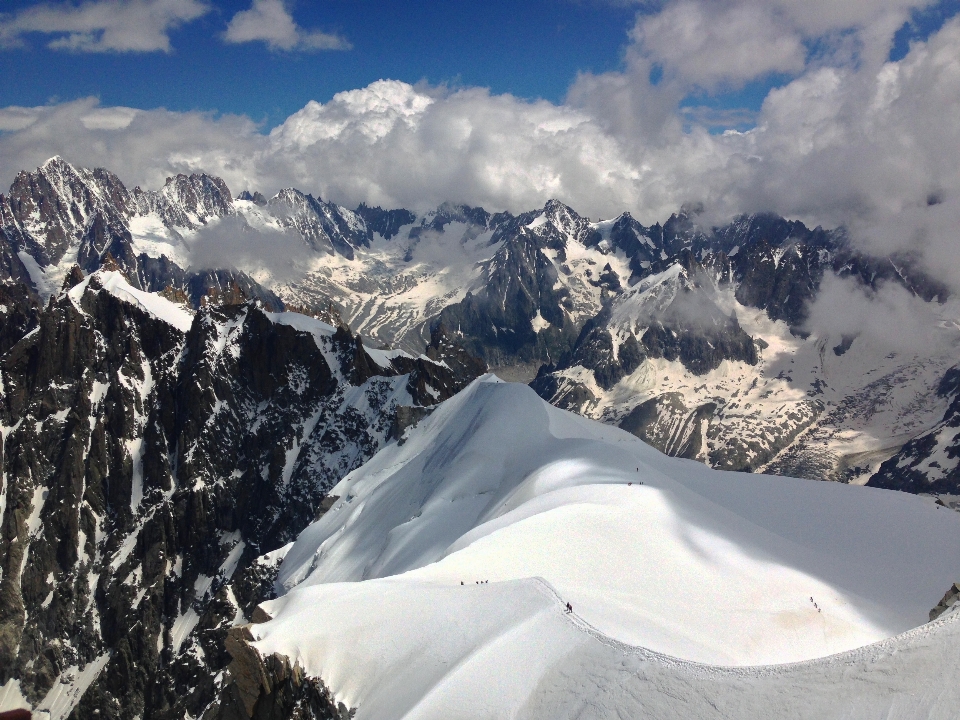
x: 660, y: 558
x: 116, y: 284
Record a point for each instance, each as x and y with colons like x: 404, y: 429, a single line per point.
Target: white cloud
x: 720, y: 43
x: 865, y: 144
x: 707, y: 44
x: 275, y: 253
x: 888, y: 316
x: 817, y: 17
x: 270, y: 21
x: 111, y: 118
x: 102, y: 25
x: 17, y: 118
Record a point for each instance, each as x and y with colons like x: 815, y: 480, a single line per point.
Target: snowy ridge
x: 116, y: 284
x: 447, y: 539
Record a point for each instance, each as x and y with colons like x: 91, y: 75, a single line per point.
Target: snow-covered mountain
x: 150, y: 455
x: 693, y: 338
x: 168, y: 430
x: 507, y: 534
x: 722, y: 382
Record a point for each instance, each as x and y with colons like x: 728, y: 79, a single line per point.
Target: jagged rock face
x: 186, y: 201
x: 77, y: 392
x: 325, y: 227
x: 497, y: 322
x: 667, y: 424
x: 19, y: 313
x: 530, y: 305
x: 950, y: 599
x: 270, y: 688
x: 782, y: 282
x: 674, y: 316
x: 146, y: 465
x: 595, y: 349
x: 59, y: 208
x: 385, y: 222
x: 930, y: 463
x: 12, y: 243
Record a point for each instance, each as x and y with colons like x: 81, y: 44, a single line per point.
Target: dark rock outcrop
x: 950, y: 598
x: 930, y: 462
x: 270, y: 688
x: 145, y: 469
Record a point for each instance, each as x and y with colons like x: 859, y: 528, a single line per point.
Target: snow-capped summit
x: 505, y: 533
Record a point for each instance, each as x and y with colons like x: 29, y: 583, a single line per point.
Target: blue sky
x: 834, y: 112
x: 530, y: 49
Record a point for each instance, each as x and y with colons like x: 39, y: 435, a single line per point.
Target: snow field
x: 531, y: 508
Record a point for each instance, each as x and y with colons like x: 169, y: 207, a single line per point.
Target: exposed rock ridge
x: 270, y: 688
x: 145, y: 469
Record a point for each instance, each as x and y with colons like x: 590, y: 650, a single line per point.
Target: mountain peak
x: 55, y: 161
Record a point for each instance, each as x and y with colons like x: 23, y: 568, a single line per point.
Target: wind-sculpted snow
x: 446, y: 563
x: 396, y: 649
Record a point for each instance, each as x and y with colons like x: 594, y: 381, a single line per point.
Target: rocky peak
x: 257, y: 198
x: 568, y: 223
x: 385, y: 222
x: 73, y: 278
x: 197, y: 198
x: 57, y: 204
x: 636, y: 241
x: 326, y: 227
x: 452, y: 212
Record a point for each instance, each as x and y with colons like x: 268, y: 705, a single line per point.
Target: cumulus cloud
x: 270, y: 21
x: 852, y: 139
x: 876, y: 149
x: 725, y: 43
x: 102, y: 25
x: 707, y: 44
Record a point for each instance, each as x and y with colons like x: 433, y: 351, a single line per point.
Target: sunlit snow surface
x: 660, y: 558
x: 116, y: 284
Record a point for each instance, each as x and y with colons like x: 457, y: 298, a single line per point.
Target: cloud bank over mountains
x: 850, y: 137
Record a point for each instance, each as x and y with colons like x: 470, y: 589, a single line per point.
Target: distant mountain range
x: 655, y: 329
x: 174, y: 411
